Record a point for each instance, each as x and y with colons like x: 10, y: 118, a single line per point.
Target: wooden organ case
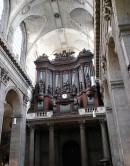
x: 65, y: 84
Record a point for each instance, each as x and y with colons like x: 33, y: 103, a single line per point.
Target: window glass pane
x: 57, y: 80
x: 80, y: 75
x: 74, y: 78
x: 42, y: 76
x: 65, y: 78
x: 1, y: 8
x: 40, y: 105
x: 90, y: 100
x: 50, y: 78
x: 86, y: 71
x: 17, y: 42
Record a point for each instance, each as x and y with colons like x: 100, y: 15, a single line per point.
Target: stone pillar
x: 84, y: 155
x: 15, y: 144
x: 31, y: 146
x: 57, y: 149
x: 51, y: 145
x: 37, y: 148
x: 4, y: 78
x: 119, y: 102
x: 114, y: 144
x: 2, y: 91
x: 105, y: 143
x: 23, y: 131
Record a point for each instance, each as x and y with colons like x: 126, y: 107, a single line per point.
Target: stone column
x: 37, y: 148
x: 105, y: 143
x: 2, y: 92
x: 4, y: 78
x: 15, y: 144
x: 23, y: 131
x: 31, y: 146
x: 84, y: 155
x: 51, y: 145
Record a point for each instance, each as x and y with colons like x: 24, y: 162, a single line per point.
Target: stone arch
x: 12, y: 106
x: 13, y: 99
x: 17, y: 95
x: 113, y: 65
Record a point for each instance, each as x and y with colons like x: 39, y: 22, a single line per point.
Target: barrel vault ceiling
x: 53, y: 26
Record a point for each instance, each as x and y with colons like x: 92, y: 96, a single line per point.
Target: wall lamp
x: 14, y: 121
x: 94, y: 113
x: 93, y: 82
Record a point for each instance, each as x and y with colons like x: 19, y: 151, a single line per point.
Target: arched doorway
x: 11, y: 106
x: 71, y: 154
x: 6, y: 134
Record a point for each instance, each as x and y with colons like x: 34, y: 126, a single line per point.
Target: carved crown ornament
x: 107, y: 10
x: 64, y: 56
x: 4, y: 75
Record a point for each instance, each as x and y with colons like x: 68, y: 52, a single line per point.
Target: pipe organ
x: 66, y: 83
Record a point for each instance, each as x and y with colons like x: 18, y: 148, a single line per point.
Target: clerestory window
x: 17, y: 42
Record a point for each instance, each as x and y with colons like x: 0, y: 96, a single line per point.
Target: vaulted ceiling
x: 53, y: 26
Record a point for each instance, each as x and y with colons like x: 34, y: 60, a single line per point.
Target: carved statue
x: 64, y: 56
x: 49, y: 89
x: 54, y: 105
x: 74, y: 90
x: 66, y: 86
x: 41, y: 86
x: 36, y: 88
x: 57, y: 90
x: 103, y: 64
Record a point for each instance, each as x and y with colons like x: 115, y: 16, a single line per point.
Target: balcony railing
x: 89, y: 110
x: 81, y: 111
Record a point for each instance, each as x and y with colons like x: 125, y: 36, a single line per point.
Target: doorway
x: 71, y: 154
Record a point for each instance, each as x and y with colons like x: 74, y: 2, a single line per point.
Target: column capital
x: 102, y: 121
x: 37, y: 131
x: 81, y: 122
x: 25, y: 99
x: 108, y: 109
x: 4, y: 75
x: 20, y: 116
x: 31, y: 128
x: 51, y: 126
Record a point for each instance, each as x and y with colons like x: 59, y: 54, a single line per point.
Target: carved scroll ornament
x: 4, y: 75
x: 107, y: 10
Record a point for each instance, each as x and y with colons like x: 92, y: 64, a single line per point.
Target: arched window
x: 17, y: 42
x: 1, y: 8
